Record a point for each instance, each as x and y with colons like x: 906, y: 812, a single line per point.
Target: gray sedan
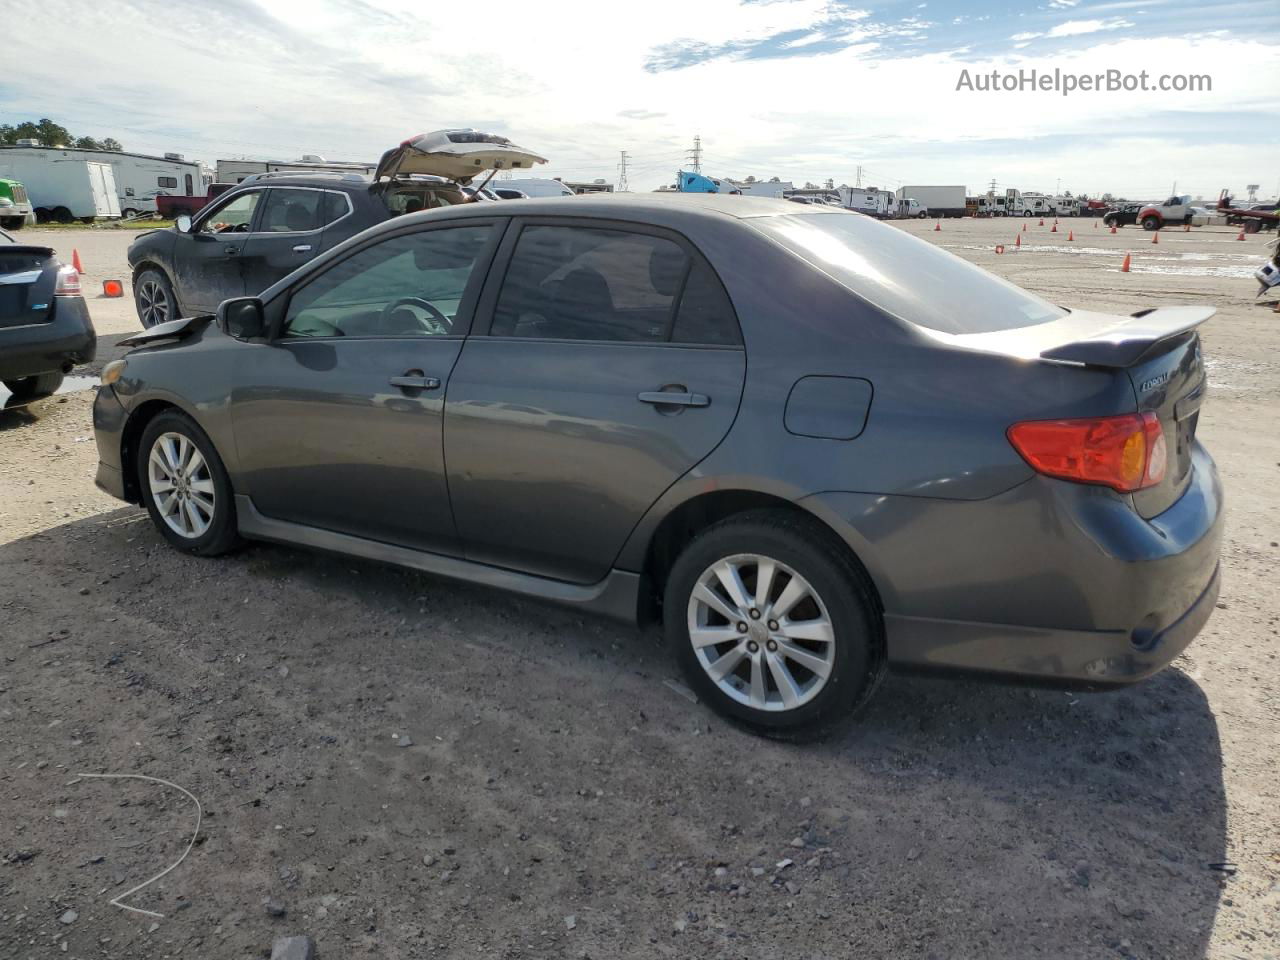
x: 810, y: 444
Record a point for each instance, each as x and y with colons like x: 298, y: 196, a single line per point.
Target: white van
x: 532, y: 186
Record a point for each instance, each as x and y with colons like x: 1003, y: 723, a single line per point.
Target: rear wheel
x: 41, y: 385
x: 774, y: 624
x: 13, y: 223
x: 153, y: 298
x: 185, y: 487
x: 62, y: 215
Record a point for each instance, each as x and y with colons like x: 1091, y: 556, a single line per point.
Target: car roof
x: 336, y: 181
x: 640, y: 206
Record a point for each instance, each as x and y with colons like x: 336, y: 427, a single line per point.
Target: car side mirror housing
x: 242, y: 318
x: 183, y: 223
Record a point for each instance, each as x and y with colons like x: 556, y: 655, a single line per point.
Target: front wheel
x: 774, y: 624
x: 1150, y: 223
x: 185, y: 487
x: 153, y: 298
x: 29, y: 388
x: 13, y: 223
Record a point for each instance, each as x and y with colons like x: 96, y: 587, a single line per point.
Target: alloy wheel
x: 154, y: 303
x: 761, y: 632
x: 181, y: 485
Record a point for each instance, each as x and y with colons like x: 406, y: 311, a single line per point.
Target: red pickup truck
x: 172, y: 207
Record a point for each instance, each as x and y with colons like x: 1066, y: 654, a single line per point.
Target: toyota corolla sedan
x: 810, y: 444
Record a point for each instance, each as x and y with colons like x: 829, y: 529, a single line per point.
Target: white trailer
x: 881, y: 204
x: 938, y: 201
x: 233, y: 171
x: 139, y: 177
x: 62, y: 188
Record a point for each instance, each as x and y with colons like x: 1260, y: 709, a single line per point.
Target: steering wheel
x: 438, y: 318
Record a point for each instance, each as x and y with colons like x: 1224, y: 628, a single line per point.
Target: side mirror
x: 242, y: 318
x: 183, y: 223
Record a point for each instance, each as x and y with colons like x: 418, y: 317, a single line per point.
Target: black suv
x: 273, y: 223
x: 266, y: 228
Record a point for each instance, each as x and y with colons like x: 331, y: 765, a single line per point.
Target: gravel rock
x: 274, y: 907
x: 293, y: 948
x: 69, y: 917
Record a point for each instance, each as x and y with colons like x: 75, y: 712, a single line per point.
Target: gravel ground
x: 404, y: 767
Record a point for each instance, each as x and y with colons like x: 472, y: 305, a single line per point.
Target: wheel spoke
x: 157, y: 460
x: 819, y: 630
x: 759, y: 692
x: 807, y: 659
x: 163, y: 485
x: 795, y: 591
x: 764, y: 582
x: 197, y: 523
x: 710, y: 636
x: 169, y: 450
x: 731, y: 580
x: 203, y: 504
x: 786, y: 683
x: 725, y: 665
x: 713, y: 600
x: 202, y: 486
x: 195, y: 463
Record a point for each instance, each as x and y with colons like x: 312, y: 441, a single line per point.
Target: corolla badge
x: 1154, y: 382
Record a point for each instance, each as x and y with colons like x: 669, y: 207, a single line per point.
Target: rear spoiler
x: 28, y: 248
x: 178, y: 329
x: 1128, y: 342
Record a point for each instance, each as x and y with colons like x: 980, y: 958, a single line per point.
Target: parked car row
x: 809, y: 444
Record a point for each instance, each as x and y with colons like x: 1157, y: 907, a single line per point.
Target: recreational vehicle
x: 139, y: 177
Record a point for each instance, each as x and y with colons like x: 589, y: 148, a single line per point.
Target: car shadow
x: 954, y: 818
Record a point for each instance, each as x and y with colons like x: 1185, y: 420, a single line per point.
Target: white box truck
x: 140, y: 177
x: 937, y: 201
x: 62, y: 188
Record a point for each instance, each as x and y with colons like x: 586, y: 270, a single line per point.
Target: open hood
x: 455, y: 154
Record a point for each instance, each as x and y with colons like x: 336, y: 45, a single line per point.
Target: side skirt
x: 615, y: 596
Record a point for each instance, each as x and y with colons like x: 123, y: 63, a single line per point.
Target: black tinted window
x: 705, y: 314
x: 291, y: 211
x: 580, y: 283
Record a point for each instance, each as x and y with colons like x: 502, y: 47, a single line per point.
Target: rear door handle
x: 415, y: 383
x: 658, y: 398
x: 302, y: 248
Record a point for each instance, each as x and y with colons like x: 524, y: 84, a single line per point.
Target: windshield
x: 908, y: 277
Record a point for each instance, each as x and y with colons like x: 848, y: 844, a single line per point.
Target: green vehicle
x: 15, y: 208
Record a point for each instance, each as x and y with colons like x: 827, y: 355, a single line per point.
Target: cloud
x: 641, y: 114
x: 1075, y: 28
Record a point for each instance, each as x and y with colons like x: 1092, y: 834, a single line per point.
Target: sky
x: 804, y: 90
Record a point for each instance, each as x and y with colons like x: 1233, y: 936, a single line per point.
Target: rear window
x: 908, y: 277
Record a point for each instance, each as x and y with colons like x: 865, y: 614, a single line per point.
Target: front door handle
x: 302, y: 248
x: 661, y: 399
x: 414, y: 382
x: 230, y: 250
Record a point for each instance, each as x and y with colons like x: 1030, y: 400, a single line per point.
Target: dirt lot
x: 407, y: 767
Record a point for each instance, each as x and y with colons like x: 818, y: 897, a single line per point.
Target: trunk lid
x: 455, y: 154
x: 28, y: 277
x: 1157, y: 349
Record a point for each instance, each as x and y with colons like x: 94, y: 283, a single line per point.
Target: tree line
x: 51, y: 134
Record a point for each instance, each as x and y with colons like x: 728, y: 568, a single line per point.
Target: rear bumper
x: 1049, y: 581
x: 67, y: 339
x: 1067, y: 657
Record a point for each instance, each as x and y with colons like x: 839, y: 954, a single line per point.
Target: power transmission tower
x: 622, y: 173
x: 696, y: 155
x: 859, y: 183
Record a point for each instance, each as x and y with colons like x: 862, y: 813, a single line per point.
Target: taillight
x: 1126, y: 452
x: 68, y: 282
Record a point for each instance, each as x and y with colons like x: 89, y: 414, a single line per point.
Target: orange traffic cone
x: 1054, y: 228
x: 1024, y: 227
x: 1186, y: 228
x: 1155, y: 237
x: 1017, y: 242
x: 1071, y: 235
x: 1095, y: 224
x: 75, y: 261
x: 1124, y: 267
x: 1241, y: 237
x: 937, y: 226
x: 1113, y: 228
x: 1042, y: 221
x: 999, y: 248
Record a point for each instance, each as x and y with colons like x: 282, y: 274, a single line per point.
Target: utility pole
x: 696, y: 155
x: 859, y: 182
x: 622, y: 173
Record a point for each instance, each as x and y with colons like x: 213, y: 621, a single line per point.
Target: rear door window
x: 588, y: 283
x: 291, y: 211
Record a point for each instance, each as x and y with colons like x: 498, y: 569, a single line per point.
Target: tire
x: 88, y: 219
x: 153, y: 298
x: 199, y: 516
x: 1150, y: 223
x: 922, y: 215
x: 13, y: 223
x: 1252, y: 226
x: 29, y: 388
x: 62, y: 215
x: 127, y: 213
x: 830, y: 585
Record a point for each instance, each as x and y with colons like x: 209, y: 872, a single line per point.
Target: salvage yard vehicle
x: 1122, y: 215
x: 45, y: 328
x: 272, y: 223
x: 62, y: 186
x: 811, y: 444
x: 1173, y: 212
x: 15, y: 207
x: 172, y: 207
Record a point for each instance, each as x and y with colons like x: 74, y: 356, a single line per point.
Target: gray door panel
x: 325, y: 439
x: 552, y: 455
